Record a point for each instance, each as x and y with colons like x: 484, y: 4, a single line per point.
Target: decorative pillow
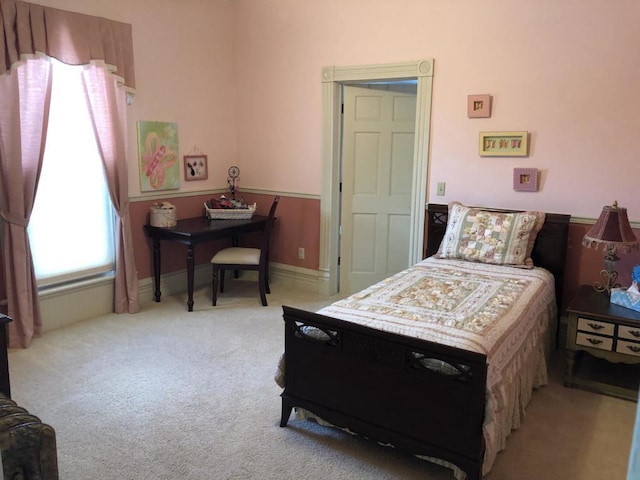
x: 484, y: 236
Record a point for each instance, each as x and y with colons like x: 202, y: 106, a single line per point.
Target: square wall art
x: 479, y: 106
x: 525, y: 179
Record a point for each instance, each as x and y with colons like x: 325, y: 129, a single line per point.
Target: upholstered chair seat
x: 238, y: 255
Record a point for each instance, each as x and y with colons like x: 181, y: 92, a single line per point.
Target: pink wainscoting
x: 297, y: 225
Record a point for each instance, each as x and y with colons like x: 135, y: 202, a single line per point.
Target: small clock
x: 234, y: 172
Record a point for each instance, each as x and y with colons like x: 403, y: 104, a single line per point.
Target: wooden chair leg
x: 266, y: 281
x: 262, y: 281
x: 214, y: 286
x: 266, y: 274
x: 222, y: 281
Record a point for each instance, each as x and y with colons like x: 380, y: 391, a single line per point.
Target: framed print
x: 525, y: 179
x: 158, y: 167
x: 195, y: 167
x: 503, y: 144
x: 479, y: 106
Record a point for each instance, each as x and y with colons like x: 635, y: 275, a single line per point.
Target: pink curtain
x: 107, y: 104
x: 26, y: 32
x: 24, y: 110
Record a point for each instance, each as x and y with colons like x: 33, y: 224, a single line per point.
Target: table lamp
x: 613, y: 232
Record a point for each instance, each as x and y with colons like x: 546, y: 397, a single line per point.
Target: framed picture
x: 158, y: 168
x: 195, y: 167
x: 503, y: 144
x: 525, y: 179
x: 479, y: 106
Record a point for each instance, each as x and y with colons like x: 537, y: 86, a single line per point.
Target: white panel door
x: 377, y: 170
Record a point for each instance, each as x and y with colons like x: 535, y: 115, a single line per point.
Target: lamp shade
x: 612, y: 229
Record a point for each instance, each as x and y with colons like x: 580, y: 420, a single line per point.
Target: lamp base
x: 608, y: 282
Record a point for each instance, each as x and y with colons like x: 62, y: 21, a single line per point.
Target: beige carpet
x: 167, y: 394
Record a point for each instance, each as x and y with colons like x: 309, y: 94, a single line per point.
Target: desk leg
x: 190, y: 272
x: 156, y: 268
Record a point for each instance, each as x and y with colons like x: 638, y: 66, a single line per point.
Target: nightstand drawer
x: 628, y: 348
x: 594, y: 341
x: 595, y: 326
x: 630, y: 333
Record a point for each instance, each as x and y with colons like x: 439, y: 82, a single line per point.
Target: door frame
x: 332, y: 80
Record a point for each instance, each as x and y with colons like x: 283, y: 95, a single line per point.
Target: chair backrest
x: 264, y: 249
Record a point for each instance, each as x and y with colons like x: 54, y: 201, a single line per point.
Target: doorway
x: 333, y: 80
x: 378, y: 137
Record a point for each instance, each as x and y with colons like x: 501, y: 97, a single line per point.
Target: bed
x: 400, y: 363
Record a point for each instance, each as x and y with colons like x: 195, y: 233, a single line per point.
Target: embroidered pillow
x: 484, y: 236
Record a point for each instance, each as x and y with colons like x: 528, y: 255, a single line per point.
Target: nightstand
x: 603, y: 345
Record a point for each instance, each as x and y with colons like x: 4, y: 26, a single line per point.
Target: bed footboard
x: 423, y: 397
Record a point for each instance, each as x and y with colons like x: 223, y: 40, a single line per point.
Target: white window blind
x: 71, y: 230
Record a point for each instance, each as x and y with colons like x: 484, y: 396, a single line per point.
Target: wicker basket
x: 162, y: 215
x: 230, y: 213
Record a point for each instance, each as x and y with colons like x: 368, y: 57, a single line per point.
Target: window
x: 71, y: 230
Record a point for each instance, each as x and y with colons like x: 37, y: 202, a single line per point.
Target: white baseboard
x: 280, y: 274
x: 63, y: 307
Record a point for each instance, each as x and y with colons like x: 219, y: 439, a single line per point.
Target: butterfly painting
x: 158, y: 156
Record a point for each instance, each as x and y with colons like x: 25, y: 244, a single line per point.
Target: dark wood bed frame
x: 374, y: 384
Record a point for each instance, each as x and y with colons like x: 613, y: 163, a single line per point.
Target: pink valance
x: 72, y: 38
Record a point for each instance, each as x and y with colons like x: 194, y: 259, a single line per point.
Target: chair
x: 242, y: 258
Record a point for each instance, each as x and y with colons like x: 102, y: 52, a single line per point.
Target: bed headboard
x: 549, y: 251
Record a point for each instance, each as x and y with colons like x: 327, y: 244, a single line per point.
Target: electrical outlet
x: 441, y: 186
x: 300, y: 253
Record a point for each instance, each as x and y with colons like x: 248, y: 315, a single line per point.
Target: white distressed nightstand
x: 603, y: 345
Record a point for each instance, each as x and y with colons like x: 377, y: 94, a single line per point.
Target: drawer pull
x: 635, y: 333
x: 633, y: 348
x: 596, y: 326
x: 594, y: 341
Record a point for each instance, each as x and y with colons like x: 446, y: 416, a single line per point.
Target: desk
x: 191, y: 232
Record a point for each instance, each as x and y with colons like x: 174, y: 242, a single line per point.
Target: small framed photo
x: 503, y: 144
x: 525, y: 179
x: 195, y: 167
x: 479, y: 106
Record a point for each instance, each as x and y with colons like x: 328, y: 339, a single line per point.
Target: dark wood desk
x: 191, y: 232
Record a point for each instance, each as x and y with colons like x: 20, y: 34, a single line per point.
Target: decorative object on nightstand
x: 628, y: 297
x: 613, y: 232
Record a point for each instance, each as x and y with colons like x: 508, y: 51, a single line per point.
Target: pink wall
x: 242, y: 80
x: 184, y: 58
x: 559, y: 70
